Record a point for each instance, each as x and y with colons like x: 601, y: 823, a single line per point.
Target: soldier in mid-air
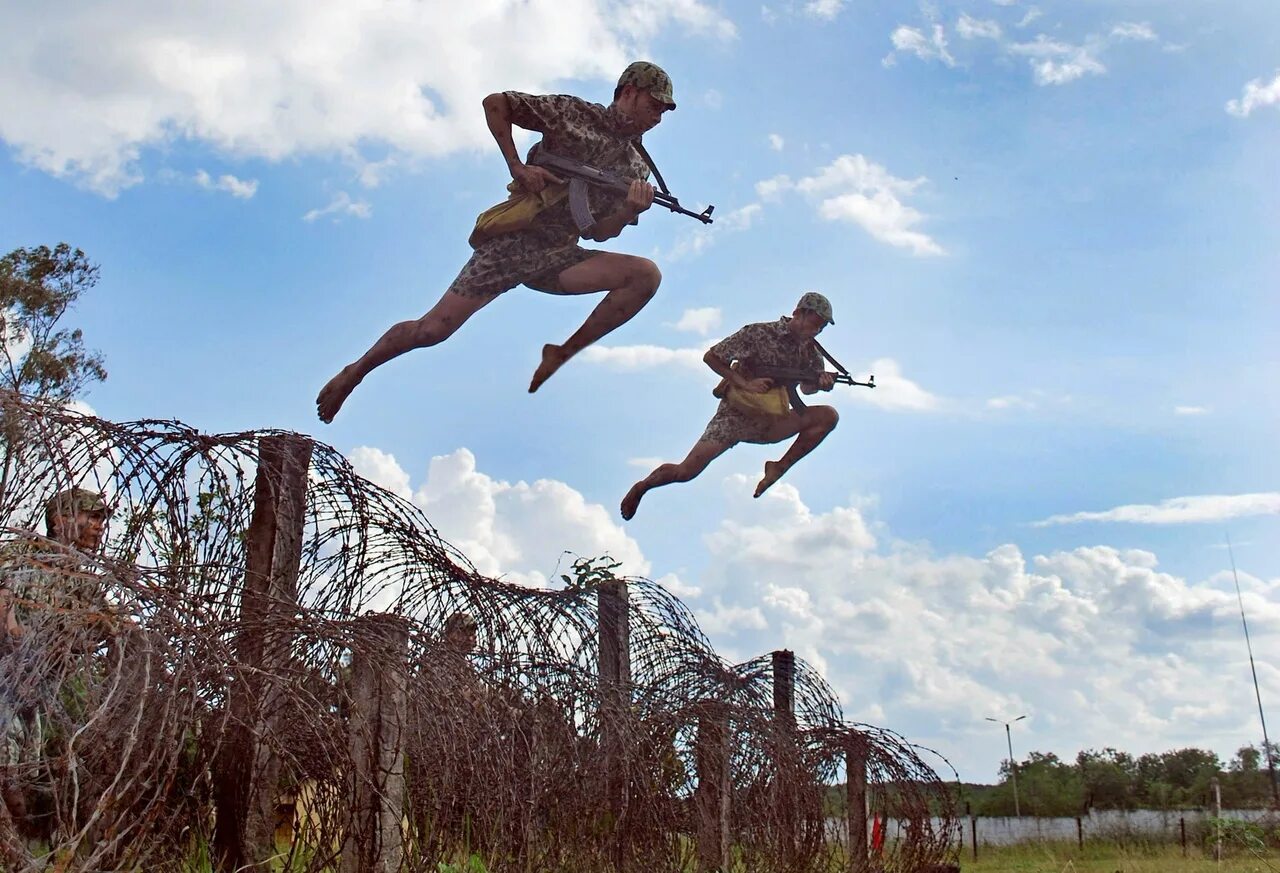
x: 752, y: 408
x: 544, y: 254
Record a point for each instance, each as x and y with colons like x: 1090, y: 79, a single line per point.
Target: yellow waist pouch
x: 515, y: 213
x: 774, y: 402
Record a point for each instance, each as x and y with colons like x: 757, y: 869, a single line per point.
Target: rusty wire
x: 158, y: 714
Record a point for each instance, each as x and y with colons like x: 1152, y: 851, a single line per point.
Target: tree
x: 1109, y: 776
x: 38, y: 358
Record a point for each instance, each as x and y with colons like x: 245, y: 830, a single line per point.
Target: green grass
x: 1112, y: 858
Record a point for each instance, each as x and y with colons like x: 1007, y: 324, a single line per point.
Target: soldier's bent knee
x: 647, y: 273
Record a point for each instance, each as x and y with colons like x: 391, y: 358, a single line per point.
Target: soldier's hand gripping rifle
x: 582, y: 176
x: 790, y: 378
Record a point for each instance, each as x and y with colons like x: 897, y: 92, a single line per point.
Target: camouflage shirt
x: 587, y: 132
x: 764, y: 344
x: 769, y: 344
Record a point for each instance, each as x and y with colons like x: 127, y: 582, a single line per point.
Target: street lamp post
x: 1013, y: 765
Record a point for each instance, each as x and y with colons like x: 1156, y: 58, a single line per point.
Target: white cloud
x: 1180, y: 510
x: 1057, y: 63
x: 700, y: 321
x: 308, y: 77
x: 239, y: 188
x: 1032, y: 14
x: 912, y: 40
x: 771, y: 189
x: 776, y: 142
x: 1256, y: 94
x: 519, y: 530
x: 643, y: 357
x: 893, y: 391
x: 1139, y: 31
x: 742, y: 218
x: 824, y: 9
x: 1097, y: 644
x: 1190, y: 410
x: 697, y: 240
x: 1005, y: 2
x: 340, y: 205
x: 713, y: 99
x: 862, y: 192
x: 972, y: 28
x: 1010, y: 401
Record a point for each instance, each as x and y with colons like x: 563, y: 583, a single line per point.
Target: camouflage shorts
x: 731, y: 425
x: 520, y: 258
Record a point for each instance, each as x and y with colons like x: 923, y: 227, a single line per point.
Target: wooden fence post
x: 785, y: 776
x: 855, y: 765
x: 375, y: 841
x: 614, y: 676
x: 248, y: 770
x: 711, y: 800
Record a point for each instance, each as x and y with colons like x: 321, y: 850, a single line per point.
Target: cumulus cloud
x: 824, y: 9
x: 894, y: 392
x: 972, y: 28
x: 1180, y: 510
x: 914, y: 41
x: 516, y: 530
x: 239, y: 188
x: 697, y: 240
x: 1056, y: 63
x: 1256, y: 94
x: 1098, y: 644
x: 776, y: 142
x: 308, y: 77
x: 859, y: 191
x: 1053, y: 61
x: 700, y: 321
x: 1010, y: 401
x: 340, y: 205
x: 643, y: 357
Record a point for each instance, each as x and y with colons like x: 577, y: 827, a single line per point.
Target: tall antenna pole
x: 1266, y: 742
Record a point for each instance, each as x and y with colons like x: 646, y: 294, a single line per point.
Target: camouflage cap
x: 459, y: 621
x: 815, y: 302
x: 649, y: 77
x: 74, y: 500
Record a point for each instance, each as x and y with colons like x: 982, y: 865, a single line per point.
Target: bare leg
x: 436, y: 326
x: 632, y: 282
x: 813, y: 425
x: 702, y: 453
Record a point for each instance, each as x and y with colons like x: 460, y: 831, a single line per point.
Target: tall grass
x: 1105, y: 857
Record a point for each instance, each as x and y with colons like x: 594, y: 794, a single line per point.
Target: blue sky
x: 1051, y: 231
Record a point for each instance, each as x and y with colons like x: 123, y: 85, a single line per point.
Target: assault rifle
x: 581, y: 176
x: 781, y: 375
x: 790, y: 378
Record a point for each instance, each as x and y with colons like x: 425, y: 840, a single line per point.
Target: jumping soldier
x: 542, y: 252
x: 752, y: 409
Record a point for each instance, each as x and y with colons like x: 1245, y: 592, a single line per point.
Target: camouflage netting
x: 249, y: 671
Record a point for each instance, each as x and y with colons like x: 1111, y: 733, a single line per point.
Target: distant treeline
x: 1111, y: 779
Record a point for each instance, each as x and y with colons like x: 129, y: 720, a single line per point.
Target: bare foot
x: 552, y: 357
x: 631, y: 502
x: 772, y: 473
x: 335, y: 393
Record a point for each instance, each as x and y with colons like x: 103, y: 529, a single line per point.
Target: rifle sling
x: 662, y: 185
